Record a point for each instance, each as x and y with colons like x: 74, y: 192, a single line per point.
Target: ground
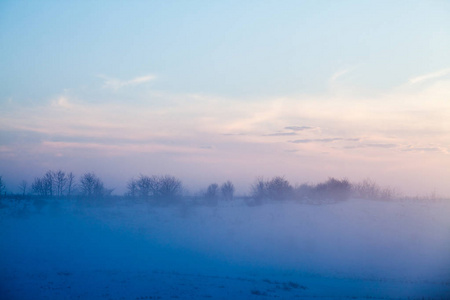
x: 122, y: 249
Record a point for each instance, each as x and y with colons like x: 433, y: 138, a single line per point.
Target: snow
x: 122, y: 249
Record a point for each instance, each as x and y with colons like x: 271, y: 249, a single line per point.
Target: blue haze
x: 109, y: 250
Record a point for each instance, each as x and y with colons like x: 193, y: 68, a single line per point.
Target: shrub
x: 155, y: 187
x: 279, y: 189
x: 368, y: 189
x: 276, y: 189
x: 333, y: 189
x: 259, y: 191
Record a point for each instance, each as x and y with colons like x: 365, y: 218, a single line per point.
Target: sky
x: 214, y: 90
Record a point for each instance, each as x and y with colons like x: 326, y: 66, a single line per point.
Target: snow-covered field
x: 356, y: 249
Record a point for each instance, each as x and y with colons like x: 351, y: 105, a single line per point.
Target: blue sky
x: 217, y: 90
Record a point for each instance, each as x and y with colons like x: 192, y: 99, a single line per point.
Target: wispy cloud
x: 336, y: 75
x: 429, y: 76
x: 412, y: 148
x: 373, y: 145
x: 234, y: 134
x: 425, y: 149
x: 342, y: 73
x: 115, y: 84
x: 326, y: 140
x: 298, y: 128
x: 294, y: 130
x: 281, y: 134
x: 386, y: 146
x: 63, y: 102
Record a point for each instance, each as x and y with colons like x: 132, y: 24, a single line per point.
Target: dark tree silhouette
x: 145, y: 186
x: 54, y: 183
x: 227, y: 190
x: 70, y: 184
x: 333, y: 189
x: 23, y: 187
x: 48, y: 182
x: 277, y: 188
x: 43, y: 186
x: 368, y: 189
x: 2, y: 187
x: 212, y: 192
x: 155, y: 187
x: 60, y: 182
x: 91, y: 186
x: 132, y: 188
x: 259, y: 191
x: 38, y: 187
x: 168, y: 187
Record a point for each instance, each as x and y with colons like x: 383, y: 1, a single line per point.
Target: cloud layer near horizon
x: 328, y: 135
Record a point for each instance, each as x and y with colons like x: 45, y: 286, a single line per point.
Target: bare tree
x: 92, y: 186
x: 132, y: 188
x: 169, y: 187
x: 368, y: 189
x: 23, y: 187
x: 43, y: 186
x: 38, y: 186
x: 212, y: 191
x: 48, y: 183
x: 145, y: 186
x: 279, y: 188
x: 259, y: 190
x: 212, y: 194
x: 2, y: 187
x: 70, y: 184
x: 227, y: 190
x: 60, y: 181
x: 156, y: 187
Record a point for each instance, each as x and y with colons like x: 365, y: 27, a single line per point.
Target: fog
x: 130, y: 249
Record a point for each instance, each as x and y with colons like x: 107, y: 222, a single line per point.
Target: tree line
x: 169, y: 188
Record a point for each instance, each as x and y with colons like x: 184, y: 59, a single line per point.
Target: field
x: 122, y: 249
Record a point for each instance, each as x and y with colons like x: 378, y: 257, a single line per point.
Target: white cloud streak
x: 337, y: 75
x: 116, y: 84
x: 430, y: 76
